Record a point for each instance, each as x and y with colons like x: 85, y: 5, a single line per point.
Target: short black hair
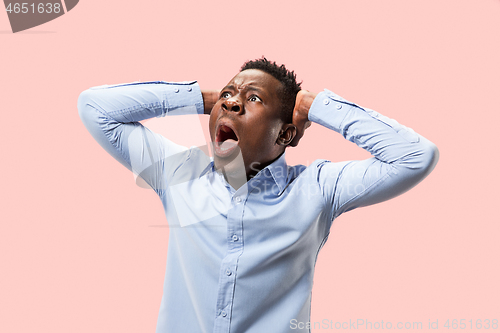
x: 288, y: 80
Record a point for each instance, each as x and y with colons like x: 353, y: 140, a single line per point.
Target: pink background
x: 83, y: 249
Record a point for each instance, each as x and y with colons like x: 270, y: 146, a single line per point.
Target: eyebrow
x: 248, y: 87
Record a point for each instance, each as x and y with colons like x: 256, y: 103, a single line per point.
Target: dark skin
x: 249, y: 109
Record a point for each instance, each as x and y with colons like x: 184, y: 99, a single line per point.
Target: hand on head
x: 210, y: 97
x: 303, y: 102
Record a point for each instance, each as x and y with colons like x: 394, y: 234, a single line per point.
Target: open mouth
x: 226, y: 141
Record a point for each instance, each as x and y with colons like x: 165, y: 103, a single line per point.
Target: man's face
x: 247, y: 117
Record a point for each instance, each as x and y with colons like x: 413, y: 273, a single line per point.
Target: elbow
x: 421, y: 160
x: 91, y: 114
x: 425, y: 159
x: 84, y: 105
x: 431, y: 157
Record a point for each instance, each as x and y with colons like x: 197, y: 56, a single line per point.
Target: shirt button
x: 235, y: 238
x: 189, y: 88
x: 339, y: 106
x: 176, y: 90
x: 238, y: 199
x: 223, y: 313
x: 326, y: 101
x: 228, y: 272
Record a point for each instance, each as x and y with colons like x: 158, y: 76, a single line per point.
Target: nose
x: 232, y: 104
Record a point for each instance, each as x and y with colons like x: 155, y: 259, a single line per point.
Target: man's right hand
x: 210, y: 97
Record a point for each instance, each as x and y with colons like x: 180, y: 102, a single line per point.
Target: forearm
x: 384, y: 138
x: 133, y: 102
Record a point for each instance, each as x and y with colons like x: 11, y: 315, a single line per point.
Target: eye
x: 225, y: 94
x: 254, y: 98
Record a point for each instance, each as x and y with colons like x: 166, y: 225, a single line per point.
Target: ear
x: 287, y: 133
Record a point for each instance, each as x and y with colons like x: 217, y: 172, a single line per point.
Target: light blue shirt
x: 243, y: 261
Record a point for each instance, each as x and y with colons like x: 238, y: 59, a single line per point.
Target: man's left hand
x: 303, y: 102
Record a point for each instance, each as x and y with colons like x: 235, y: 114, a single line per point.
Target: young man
x: 246, y: 228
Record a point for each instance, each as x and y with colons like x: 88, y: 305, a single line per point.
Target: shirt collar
x: 209, y: 168
x: 278, y: 171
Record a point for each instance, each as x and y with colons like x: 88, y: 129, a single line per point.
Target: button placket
x: 228, y: 269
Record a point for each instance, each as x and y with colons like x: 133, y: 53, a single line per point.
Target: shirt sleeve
x: 111, y: 113
x: 401, y: 157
